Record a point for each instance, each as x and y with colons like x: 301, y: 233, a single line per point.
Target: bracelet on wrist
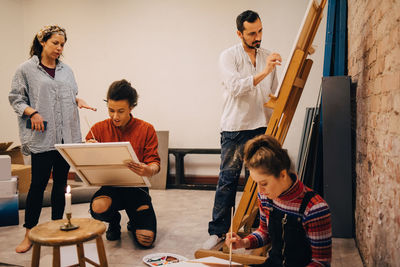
x: 33, y: 114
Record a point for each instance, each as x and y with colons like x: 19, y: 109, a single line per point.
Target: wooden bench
x: 180, y: 154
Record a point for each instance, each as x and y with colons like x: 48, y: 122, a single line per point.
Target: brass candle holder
x: 68, y: 226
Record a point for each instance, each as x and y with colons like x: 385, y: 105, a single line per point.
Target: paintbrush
x: 230, y: 245
x: 211, y: 264
x: 90, y: 128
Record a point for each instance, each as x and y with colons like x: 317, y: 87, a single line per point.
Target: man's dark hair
x: 247, y: 15
x: 122, y: 90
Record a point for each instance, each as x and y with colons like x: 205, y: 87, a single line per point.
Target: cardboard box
x: 15, y: 153
x: 9, y: 210
x: 5, y: 167
x: 8, y: 188
x: 24, y: 176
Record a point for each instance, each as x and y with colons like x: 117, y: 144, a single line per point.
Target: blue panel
x: 341, y: 41
x: 342, y: 38
x: 329, y: 38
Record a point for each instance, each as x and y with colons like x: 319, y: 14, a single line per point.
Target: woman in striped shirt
x: 44, y: 96
x: 293, y: 219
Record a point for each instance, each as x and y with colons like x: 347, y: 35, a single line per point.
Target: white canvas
x: 296, y: 44
x: 101, y: 164
x: 5, y: 167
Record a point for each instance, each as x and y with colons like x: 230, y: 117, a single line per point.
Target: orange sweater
x: 140, y: 134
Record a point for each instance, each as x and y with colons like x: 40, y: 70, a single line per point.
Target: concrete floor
x: 183, y: 217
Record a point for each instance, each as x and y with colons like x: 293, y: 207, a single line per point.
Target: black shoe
x: 129, y: 226
x: 113, y: 232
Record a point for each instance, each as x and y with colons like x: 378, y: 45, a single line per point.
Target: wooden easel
x: 284, y: 104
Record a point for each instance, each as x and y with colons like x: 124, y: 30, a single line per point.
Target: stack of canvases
x: 8, y: 193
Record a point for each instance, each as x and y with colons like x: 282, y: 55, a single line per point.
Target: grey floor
x: 183, y: 217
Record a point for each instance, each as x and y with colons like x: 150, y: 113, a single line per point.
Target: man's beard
x: 254, y: 45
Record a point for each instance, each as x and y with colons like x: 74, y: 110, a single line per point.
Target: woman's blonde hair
x: 266, y: 154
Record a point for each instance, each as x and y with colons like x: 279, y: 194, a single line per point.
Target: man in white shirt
x: 248, y: 77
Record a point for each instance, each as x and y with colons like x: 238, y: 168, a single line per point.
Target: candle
x: 68, y: 200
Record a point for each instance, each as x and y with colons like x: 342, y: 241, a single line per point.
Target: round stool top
x: 50, y: 234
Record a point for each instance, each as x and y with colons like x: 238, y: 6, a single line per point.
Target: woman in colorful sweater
x: 293, y: 219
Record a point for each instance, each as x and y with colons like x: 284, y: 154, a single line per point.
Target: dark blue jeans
x: 232, y: 145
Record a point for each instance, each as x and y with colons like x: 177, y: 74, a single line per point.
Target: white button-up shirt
x: 243, y: 103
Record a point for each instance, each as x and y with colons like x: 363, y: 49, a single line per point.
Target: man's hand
x: 272, y: 60
x: 141, y: 169
x: 82, y: 104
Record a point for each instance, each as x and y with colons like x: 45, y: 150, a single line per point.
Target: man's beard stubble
x: 254, y: 45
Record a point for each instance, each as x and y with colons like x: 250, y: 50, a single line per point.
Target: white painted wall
x: 13, y: 53
x: 168, y: 49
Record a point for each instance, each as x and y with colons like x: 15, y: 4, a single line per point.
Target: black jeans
x: 42, y: 165
x: 128, y: 199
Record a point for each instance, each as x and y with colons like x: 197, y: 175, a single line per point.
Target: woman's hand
x: 37, y: 123
x: 236, y: 241
x: 91, y: 141
x: 82, y: 104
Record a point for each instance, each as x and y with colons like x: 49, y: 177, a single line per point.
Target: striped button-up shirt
x: 54, y: 99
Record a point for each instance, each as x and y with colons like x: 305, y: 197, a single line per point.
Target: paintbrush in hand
x: 230, y: 245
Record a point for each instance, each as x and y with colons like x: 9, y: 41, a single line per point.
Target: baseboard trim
x: 201, y: 180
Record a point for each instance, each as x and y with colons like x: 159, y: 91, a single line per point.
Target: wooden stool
x: 49, y: 234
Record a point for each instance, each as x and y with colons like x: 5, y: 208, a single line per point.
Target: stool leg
x: 56, y: 256
x: 81, y: 254
x: 35, y: 255
x: 101, y: 252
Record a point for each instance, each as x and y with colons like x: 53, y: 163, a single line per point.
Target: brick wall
x: 374, y: 63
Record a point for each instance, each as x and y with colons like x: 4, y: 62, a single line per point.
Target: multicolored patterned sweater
x: 316, y: 221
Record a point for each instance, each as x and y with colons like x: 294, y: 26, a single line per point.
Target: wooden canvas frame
x: 101, y: 164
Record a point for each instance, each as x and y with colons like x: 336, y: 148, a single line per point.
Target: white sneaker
x: 211, y: 242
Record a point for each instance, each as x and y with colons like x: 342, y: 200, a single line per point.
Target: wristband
x: 35, y: 112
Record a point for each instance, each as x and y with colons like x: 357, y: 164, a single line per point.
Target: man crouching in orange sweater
x: 136, y: 201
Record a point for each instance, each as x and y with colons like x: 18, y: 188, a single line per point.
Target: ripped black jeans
x: 232, y: 144
x: 129, y: 199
